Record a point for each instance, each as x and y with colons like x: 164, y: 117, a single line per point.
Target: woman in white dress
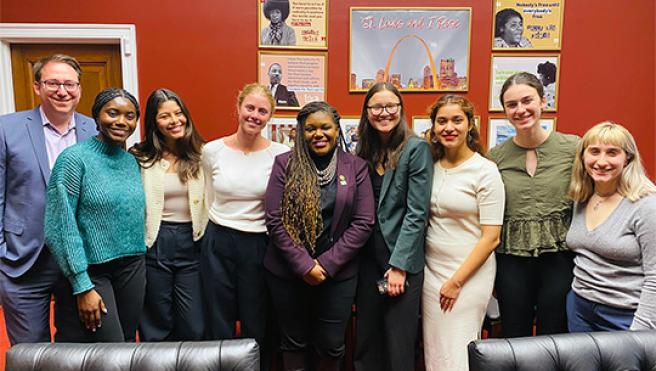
x: 466, y: 213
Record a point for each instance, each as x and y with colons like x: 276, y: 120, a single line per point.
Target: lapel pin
x: 342, y: 180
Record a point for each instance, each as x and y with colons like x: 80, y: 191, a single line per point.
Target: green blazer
x: 404, y: 204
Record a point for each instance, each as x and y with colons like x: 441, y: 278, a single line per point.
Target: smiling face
x: 321, y: 133
x: 254, y: 112
x: 604, y: 163
x: 523, y: 107
x: 384, y: 122
x: 171, y: 122
x: 60, y: 101
x: 511, y: 31
x: 275, y: 15
x: 117, y: 120
x: 451, y: 127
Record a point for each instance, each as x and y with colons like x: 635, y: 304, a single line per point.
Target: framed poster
x: 421, y: 125
x: 416, y: 49
x: 295, y: 78
x: 281, y: 129
x: 349, y: 126
x: 500, y: 129
x: 527, y: 24
x: 293, y: 24
x: 546, y: 67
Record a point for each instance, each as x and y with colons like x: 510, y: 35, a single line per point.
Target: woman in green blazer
x: 391, y: 272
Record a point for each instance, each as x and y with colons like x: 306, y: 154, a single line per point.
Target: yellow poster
x: 527, y: 24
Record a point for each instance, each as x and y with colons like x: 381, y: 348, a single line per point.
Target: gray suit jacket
x: 24, y: 174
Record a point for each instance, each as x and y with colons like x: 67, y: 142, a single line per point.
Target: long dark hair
x: 188, y: 148
x: 473, y: 135
x: 301, y: 200
x: 369, y: 146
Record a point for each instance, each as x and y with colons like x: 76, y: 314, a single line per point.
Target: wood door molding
x: 52, y: 33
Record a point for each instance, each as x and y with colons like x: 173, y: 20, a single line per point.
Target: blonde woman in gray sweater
x: 613, y: 234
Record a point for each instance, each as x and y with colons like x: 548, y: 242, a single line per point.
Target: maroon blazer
x: 352, y: 223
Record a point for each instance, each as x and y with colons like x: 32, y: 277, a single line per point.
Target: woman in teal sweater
x: 95, y: 228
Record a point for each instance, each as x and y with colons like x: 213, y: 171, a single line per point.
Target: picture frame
x: 527, y: 25
x: 279, y: 128
x: 304, y: 24
x: 301, y: 77
x: 546, y: 67
x: 385, y: 43
x: 499, y: 129
x: 422, y: 123
x: 349, y: 126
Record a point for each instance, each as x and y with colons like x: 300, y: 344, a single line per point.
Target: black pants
x: 533, y: 288
x: 312, y: 321
x: 121, y: 284
x: 173, y: 308
x: 386, y: 327
x: 232, y: 275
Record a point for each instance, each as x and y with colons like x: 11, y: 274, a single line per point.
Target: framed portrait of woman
x: 293, y: 24
x: 527, y: 24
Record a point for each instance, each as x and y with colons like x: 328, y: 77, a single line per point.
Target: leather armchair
x: 234, y: 355
x: 621, y: 350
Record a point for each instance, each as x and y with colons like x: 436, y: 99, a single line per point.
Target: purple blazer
x: 352, y: 223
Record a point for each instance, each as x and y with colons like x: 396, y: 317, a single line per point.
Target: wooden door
x: 101, y: 68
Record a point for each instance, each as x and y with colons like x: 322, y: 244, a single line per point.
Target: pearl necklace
x: 326, y: 175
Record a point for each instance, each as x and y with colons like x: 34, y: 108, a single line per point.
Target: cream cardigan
x: 153, y: 182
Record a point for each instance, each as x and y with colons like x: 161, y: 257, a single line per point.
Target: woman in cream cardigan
x: 176, y: 217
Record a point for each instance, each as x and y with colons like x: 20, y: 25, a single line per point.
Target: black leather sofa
x: 233, y: 355
x: 608, y: 351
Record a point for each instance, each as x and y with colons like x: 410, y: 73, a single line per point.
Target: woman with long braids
x: 176, y: 217
x: 319, y: 212
x: 392, y: 266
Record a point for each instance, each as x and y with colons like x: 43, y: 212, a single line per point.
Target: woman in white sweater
x: 237, y: 168
x: 176, y: 216
x: 466, y: 213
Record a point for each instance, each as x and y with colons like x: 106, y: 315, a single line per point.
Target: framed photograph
x: 295, y: 78
x: 281, y: 129
x: 421, y: 125
x: 527, y: 24
x: 416, y: 49
x: 500, y: 129
x: 546, y: 67
x: 349, y: 126
x: 293, y: 24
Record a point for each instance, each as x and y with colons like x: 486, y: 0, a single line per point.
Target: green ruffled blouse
x: 538, y: 211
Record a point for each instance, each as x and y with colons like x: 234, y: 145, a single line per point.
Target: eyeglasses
x: 389, y: 108
x: 69, y: 86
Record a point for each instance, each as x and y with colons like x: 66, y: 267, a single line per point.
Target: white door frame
x: 51, y: 33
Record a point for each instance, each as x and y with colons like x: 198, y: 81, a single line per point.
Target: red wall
x: 206, y: 50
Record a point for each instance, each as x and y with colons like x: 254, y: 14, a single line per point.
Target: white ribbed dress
x: 463, y: 198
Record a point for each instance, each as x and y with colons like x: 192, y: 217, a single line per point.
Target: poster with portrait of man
x: 527, y: 24
x: 293, y: 24
x: 295, y: 78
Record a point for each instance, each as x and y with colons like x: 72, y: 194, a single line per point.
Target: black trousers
x: 173, y: 308
x: 121, y: 283
x: 386, y: 328
x: 312, y: 321
x: 533, y: 288
x: 232, y: 276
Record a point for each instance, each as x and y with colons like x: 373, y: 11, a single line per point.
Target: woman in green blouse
x: 534, y: 265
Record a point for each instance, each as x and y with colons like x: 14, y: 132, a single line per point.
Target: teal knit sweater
x: 95, y: 209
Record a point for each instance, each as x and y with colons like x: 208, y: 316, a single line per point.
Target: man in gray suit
x: 30, y: 142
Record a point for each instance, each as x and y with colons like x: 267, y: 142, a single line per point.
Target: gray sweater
x: 615, y: 263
